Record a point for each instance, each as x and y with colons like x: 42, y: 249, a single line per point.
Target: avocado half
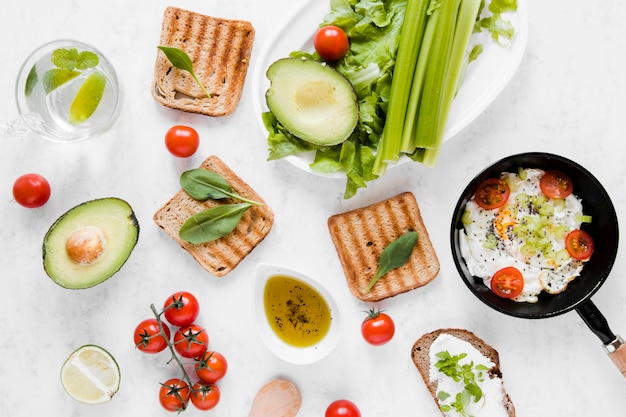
x: 90, y: 243
x: 313, y: 101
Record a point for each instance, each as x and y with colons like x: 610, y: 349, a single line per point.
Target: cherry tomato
x: 191, y: 341
x: 556, y: 184
x: 211, y: 367
x: 182, y: 141
x: 507, y: 282
x: 579, y: 244
x: 331, y: 43
x: 377, y: 328
x: 31, y: 190
x: 148, y: 337
x: 205, y: 396
x: 174, y: 395
x: 342, y: 408
x: 492, y: 193
x: 181, y: 309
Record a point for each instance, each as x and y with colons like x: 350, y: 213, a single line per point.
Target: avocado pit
x: 86, y: 245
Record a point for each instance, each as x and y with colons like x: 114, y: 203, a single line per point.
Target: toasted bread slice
x: 420, y: 354
x: 221, y: 256
x: 361, y: 235
x: 220, y: 52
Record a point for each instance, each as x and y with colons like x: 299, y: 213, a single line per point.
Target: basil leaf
x: 396, y: 254
x: 203, y: 184
x: 181, y: 60
x: 212, y: 224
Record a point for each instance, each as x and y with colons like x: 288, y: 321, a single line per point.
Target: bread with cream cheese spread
x: 420, y: 354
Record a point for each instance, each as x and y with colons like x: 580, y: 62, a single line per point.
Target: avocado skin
x: 323, y: 121
x: 132, y: 221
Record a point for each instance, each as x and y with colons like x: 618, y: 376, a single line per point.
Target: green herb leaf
x: 181, y: 60
x: 212, y: 224
x: 31, y: 81
x: 396, y: 254
x: 71, y: 59
x: 203, y: 184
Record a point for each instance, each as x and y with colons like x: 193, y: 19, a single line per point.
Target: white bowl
x: 283, y: 350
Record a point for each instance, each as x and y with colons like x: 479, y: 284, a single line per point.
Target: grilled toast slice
x: 220, y: 52
x: 420, y: 354
x: 361, y: 235
x: 221, y: 256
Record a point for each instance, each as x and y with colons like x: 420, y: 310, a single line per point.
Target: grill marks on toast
x: 220, y: 51
x: 361, y: 235
x: 220, y: 256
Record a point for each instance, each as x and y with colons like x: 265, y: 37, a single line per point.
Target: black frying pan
x: 577, y: 296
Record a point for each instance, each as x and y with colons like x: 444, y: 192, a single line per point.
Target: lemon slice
x: 56, y: 77
x: 87, y: 98
x: 90, y: 375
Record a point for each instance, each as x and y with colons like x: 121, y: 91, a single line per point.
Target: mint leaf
x: 86, y: 60
x: 71, y: 59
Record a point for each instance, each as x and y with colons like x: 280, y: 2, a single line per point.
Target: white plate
x: 485, y: 79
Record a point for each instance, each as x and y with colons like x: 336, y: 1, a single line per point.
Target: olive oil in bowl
x: 296, y: 312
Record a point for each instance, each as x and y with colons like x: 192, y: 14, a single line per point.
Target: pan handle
x: 614, y: 345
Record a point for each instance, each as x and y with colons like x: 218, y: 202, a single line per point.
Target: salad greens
x: 378, y: 35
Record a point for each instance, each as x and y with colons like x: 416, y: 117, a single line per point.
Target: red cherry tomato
x: 377, y: 328
x: 191, y: 341
x: 182, y: 141
x: 211, y: 367
x: 205, y: 396
x: 579, y: 244
x: 342, y: 408
x: 556, y: 184
x: 507, y: 282
x: 492, y: 193
x: 331, y: 43
x: 174, y: 395
x: 181, y: 308
x: 31, y: 190
x: 148, y: 337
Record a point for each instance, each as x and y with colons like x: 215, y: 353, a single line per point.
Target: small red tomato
x: 205, y: 396
x: 191, y: 341
x: 331, y: 43
x: 182, y: 141
x: 181, y: 309
x: 342, y: 408
x: 377, y: 328
x: 507, y: 282
x: 174, y: 395
x: 211, y: 367
x: 492, y: 193
x: 148, y: 337
x: 579, y: 244
x: 31, y: 190
x: 556, y: 184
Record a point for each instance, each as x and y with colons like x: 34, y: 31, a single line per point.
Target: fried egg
x: 528, y: 232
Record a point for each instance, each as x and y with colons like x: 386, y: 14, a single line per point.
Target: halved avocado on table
x: 313, y: 101
x: 90, y: 242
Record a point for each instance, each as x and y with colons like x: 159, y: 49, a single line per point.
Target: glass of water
x: 67, y: 91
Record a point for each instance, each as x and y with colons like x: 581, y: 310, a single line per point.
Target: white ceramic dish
x: 485, y: 79
x: 284, y: 351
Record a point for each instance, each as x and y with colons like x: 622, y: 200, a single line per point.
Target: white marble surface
x: 568, y: 97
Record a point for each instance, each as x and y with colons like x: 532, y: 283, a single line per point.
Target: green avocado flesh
x: 312, y: 101
x: 90, y: 243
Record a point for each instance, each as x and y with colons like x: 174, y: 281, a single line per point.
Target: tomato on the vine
x: 342, y: 408
x: 556, y: 184
x: 181, y: 309
x: 182, y: 141
x: 492, y: 193
x: 148, y: 337
x: 377, y: 328
x: 211, y: 367
x: 331, y: 43
x: 579, y: 244
x: 205, y: 396
x: 191, y: 341
x: 31, y: 190
x: 174, y: 395
x: 507, y: 282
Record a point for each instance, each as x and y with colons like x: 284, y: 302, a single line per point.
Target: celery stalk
x: 467, y: 15
x: 406, y: 59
